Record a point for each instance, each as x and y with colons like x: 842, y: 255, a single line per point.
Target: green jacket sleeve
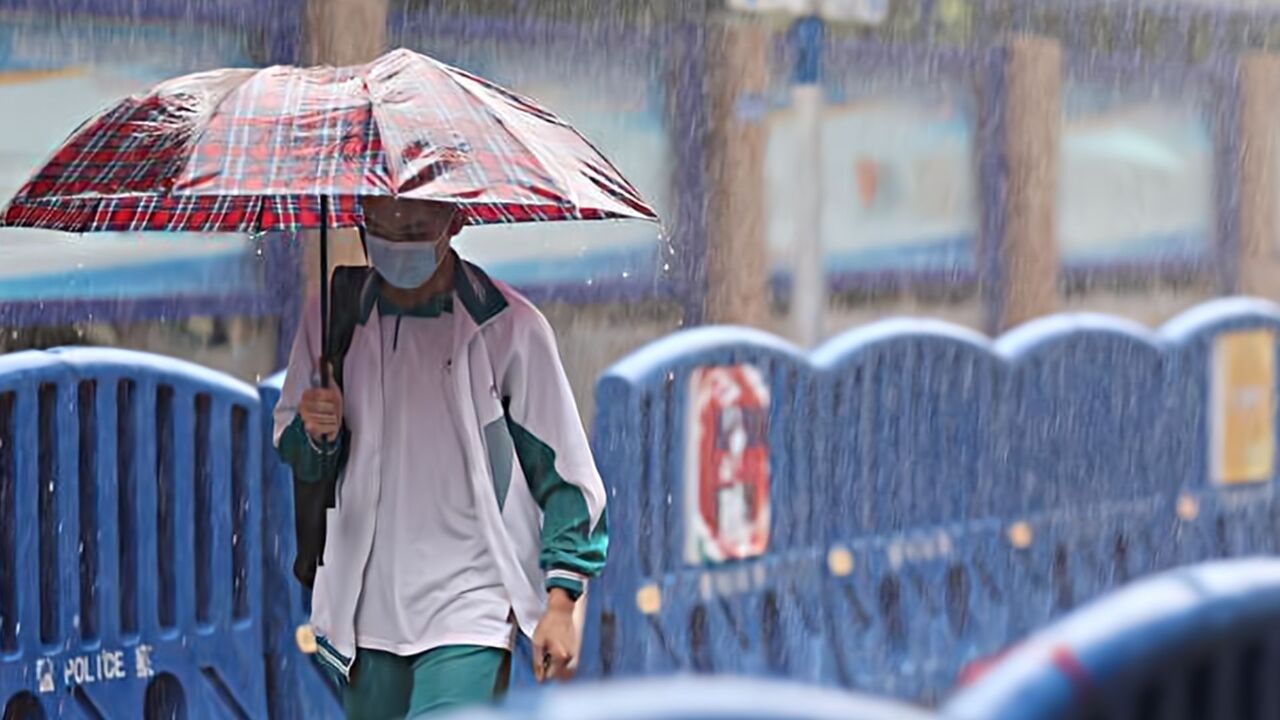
x: 572, y: 548
x: 554, y: 455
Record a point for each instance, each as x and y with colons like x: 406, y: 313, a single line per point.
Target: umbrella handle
x: 324, y: 291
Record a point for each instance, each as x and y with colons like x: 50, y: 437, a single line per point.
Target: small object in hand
x: 546, y: 666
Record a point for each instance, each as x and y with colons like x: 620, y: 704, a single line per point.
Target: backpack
x: 311, y: 501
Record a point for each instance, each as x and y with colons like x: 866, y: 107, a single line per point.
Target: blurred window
x: 1136, y: 174
x: 63, y: 71
x: 899, y: 176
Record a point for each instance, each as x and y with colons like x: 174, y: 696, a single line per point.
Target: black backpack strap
x: 345, y: 309
x: 311, y: 500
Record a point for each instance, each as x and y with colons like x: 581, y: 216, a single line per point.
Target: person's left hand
x: 555, y: 639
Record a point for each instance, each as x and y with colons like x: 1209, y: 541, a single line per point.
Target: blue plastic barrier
x: 903, y: 408
x: 1196, y: 642
x: 688, y: 698
x: 937, y: 495
x: 130, y: 576
x: 298, y: 687
x: 934, y: 497
x: 747, y: 618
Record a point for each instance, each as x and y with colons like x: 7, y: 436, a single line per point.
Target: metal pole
x: 808, y: 279
x: 324, y: 291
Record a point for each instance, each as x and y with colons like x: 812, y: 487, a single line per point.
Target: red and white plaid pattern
x: 254, y: 150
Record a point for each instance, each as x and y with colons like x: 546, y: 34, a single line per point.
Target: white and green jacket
x: 541, y: 501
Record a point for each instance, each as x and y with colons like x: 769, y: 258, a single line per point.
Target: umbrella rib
x: 499, y: 111
x: 563, y: 186
x: 203, y: 128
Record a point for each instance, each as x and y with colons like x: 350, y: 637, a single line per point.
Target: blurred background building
x: 1116, y: 157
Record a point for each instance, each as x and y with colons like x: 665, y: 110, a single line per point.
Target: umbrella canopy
x: 279, y: 148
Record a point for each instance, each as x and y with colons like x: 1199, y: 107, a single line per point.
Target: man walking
x: 465, y: 504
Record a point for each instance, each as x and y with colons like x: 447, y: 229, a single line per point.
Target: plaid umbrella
x: 287, y: 148
x: 256, y: 150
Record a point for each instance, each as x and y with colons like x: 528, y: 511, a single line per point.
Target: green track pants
x: 389, y: 687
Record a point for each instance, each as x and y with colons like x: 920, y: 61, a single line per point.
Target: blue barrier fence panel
x: 132, y: 538
x: 904, y: 451
x: 653, y: 610
x: 1231, y: 518
x: 297, y: 686
x: 1085, y: 394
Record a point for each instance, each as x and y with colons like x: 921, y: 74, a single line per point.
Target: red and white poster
x: 727, y: 465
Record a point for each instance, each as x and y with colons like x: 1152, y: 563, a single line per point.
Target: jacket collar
x: 478, y: 293
x: 471, y: 286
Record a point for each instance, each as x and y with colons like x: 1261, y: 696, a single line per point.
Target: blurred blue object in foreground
x: 693, y: 698
x: 1195, y: 642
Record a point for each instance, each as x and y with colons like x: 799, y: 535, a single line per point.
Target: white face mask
x: 406, y: 265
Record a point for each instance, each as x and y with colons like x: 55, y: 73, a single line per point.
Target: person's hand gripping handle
x: 321, y: 409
